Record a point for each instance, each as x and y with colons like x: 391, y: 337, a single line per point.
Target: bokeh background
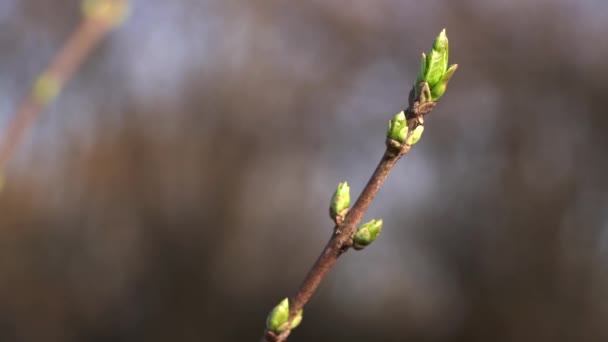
x: 178, y: 188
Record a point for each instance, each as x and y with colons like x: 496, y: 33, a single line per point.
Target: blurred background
x: 178, y: 188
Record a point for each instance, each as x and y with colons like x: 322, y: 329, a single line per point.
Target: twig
x: 100, y: 16
x: 342, y: 239
x: 404, y: 130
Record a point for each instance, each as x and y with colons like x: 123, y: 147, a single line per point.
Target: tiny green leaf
x: 422, y: 72
x: 442, y: 85
x: 441, y: 42
x: 441, y: 45
x: 435, y: 67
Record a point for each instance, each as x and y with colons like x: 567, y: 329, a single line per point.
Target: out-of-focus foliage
x: 178, y: 187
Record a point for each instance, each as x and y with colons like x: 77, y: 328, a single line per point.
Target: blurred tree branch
x: 99, y: 17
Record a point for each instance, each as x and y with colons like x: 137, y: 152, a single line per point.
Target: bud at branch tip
x: 113, y: 12
x: 434, y: 69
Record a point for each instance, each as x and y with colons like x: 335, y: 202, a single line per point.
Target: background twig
x: 100, y: 16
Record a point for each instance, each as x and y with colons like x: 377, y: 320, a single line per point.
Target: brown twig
x: 341, y: 240
x: 91, y: 30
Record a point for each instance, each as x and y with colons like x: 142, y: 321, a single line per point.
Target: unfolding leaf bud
x: 416, y: 135
x: 397, y: 128
x: 366, y: 234
x: 434, y: 69
x: 278, y: 319
x: 339, y: 202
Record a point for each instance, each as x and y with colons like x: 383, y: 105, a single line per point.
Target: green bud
x: 46, y: 88
x: 397, y: 128
x: 114, y: 12
x: 278, y: 318
x: 367, y: 233
x: 340, y: 201
x: 416, y: 135
x: 434, y: 69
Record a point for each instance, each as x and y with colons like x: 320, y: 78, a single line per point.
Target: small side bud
x: 278, y: 319
x: 340, y: 201
x: 366, y: 234
x: 46, y: 89
x: 416, y: 135
x: 397, y: 128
